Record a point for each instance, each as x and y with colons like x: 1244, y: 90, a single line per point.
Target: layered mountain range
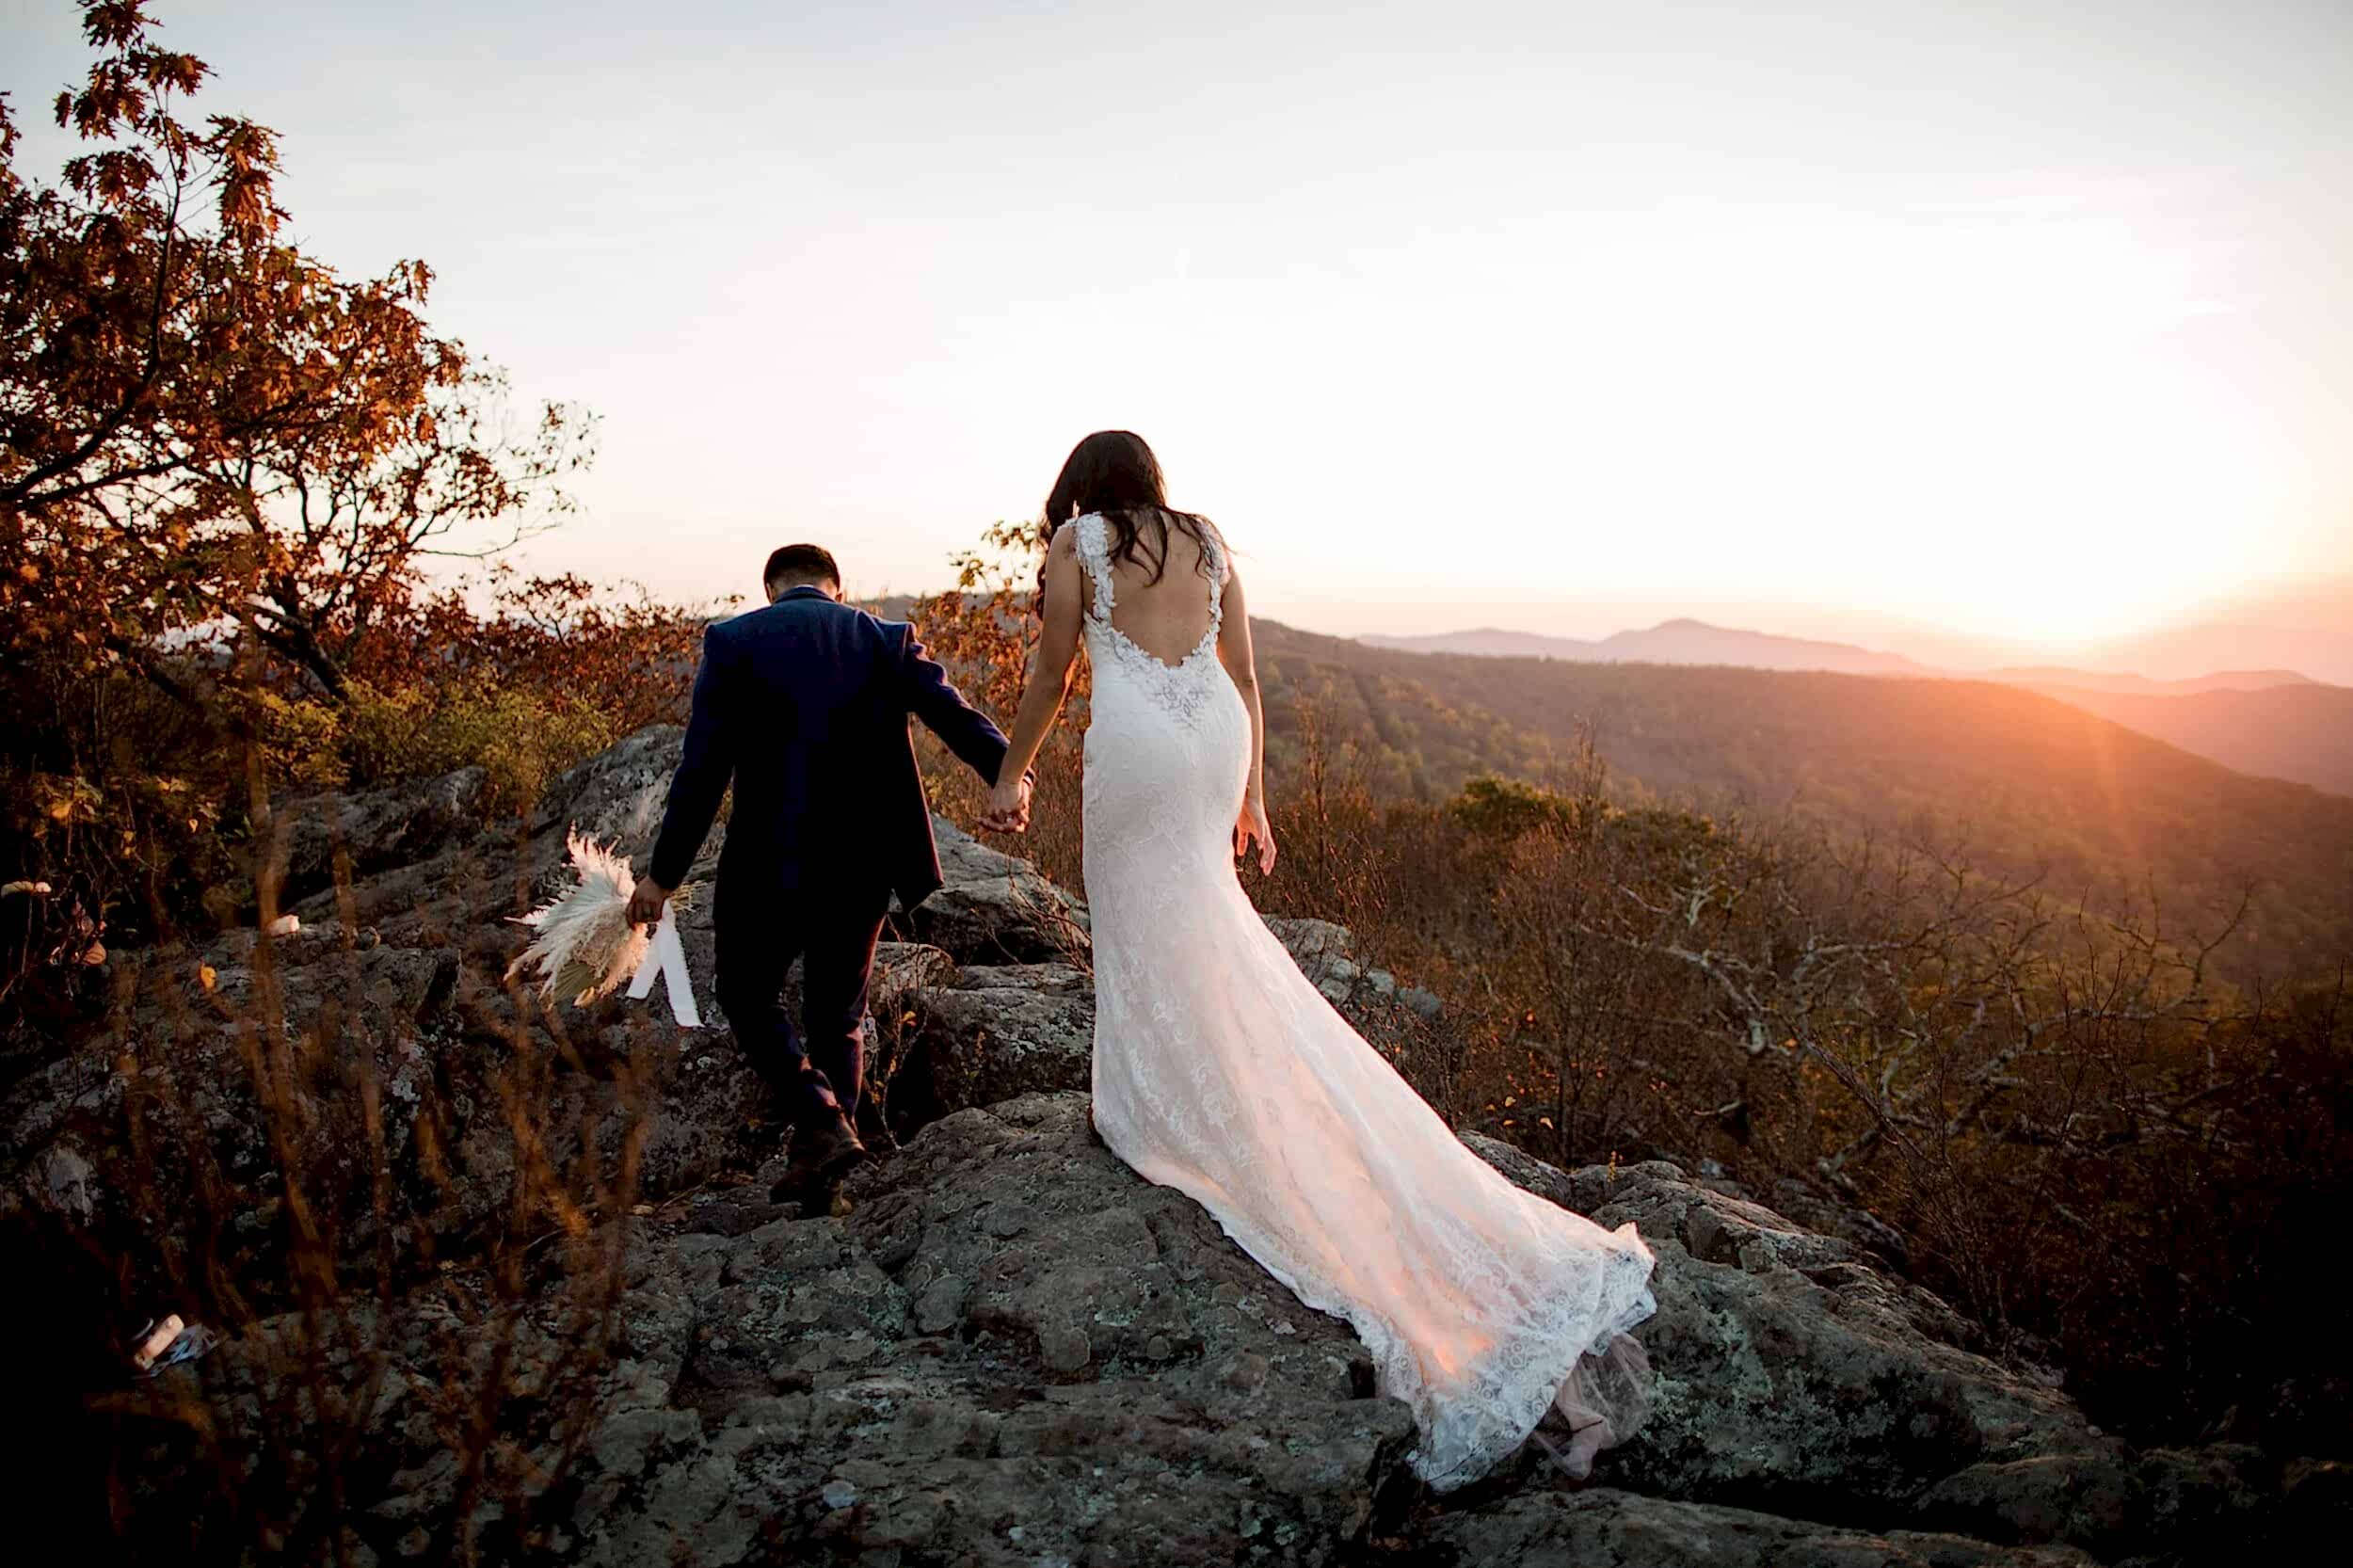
x: 2275, y: 723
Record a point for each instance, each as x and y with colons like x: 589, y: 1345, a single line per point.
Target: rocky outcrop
x: 616, y: 796
x: 1326, y: 954
x: 1015, y: 1349
x: 377, y: 1036
x: 1792, y: 1378
x: 1787, y: 1370
x: 1011, y: 1350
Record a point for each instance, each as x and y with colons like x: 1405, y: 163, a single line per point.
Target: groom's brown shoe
x: 822, y: 1154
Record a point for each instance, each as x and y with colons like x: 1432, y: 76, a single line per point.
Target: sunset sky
x: 2028, y: 322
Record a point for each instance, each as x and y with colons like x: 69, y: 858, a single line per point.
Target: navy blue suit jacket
x: 805, y: 706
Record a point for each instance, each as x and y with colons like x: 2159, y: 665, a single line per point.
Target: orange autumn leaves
x: 210, y: 434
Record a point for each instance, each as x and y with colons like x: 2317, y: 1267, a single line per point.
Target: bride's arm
x: 1234, y: 653
x: 1049, y: 680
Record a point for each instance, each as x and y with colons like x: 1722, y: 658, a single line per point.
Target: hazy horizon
x: 1935, y: 328
x: 2305, y: 626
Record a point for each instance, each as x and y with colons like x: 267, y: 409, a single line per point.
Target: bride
x: 1219, y: 1068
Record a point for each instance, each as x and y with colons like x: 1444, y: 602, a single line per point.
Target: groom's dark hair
x: 796, y: 564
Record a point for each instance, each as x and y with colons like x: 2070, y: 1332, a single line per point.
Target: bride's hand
x: 1251, y: 824
x: 1008, y: 809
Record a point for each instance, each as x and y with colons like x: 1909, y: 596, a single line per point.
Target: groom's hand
x: 1008, y: 809
x: 646, y: 901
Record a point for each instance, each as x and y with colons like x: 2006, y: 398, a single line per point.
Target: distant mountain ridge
x: 2059, y: 677
x: 2297, y: 629
x: 1684, y: 641
x: 1671, y: 642
x: 2304, y: 622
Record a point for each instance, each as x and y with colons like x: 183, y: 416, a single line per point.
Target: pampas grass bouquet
x: 585, y: 948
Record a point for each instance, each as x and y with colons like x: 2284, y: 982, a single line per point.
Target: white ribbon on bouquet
x: 666, y: 955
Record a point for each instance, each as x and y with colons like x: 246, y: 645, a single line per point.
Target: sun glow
x: 2005, y: 426
x: 2002, y: 429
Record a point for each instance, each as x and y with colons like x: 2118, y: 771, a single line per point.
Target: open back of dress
x: 1170, y: 618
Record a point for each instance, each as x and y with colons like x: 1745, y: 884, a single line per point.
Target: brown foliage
x: 206, y: 434
x: 2047, y: 1113
x: 224, y: 472
x: 287, y: 1173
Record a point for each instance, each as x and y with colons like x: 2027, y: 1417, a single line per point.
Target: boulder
x: 617, y: 796
x: 1320, y: 946
x: 1794, y: 1379
x: 995, y: 908
x: 2197, y: 1504
x: 370, y: 829
x: 1788, y: 1371
x: 1370, y: 999
x: 221, y: 1070
x: 1002, y: 1031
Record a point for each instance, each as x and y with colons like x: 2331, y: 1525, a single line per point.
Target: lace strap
x: 1213, y: 548
x: 1095, y: 555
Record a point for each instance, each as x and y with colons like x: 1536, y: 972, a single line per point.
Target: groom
x: 805, y: 706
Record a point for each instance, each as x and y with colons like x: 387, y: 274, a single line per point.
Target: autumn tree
x: 206, y: 435
x: 225, y: 470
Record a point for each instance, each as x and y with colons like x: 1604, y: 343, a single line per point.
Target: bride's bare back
x: 1169, y: 619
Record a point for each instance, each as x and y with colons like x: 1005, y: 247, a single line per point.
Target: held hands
x: 646, y: 901
x: 1251, y: 824
x: 1008, y: 809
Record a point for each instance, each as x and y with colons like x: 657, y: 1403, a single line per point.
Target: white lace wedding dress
x: 1220, y: 1070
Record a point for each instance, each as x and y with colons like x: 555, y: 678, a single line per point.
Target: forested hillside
x: 2303, y: 732
x: 2016, y: 781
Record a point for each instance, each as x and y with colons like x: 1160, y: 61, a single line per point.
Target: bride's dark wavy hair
x: 1114, y: 472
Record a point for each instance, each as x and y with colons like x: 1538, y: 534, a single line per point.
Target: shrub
x: 1504, y: 808
x: 518, y: 736
x: 301, y: 740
